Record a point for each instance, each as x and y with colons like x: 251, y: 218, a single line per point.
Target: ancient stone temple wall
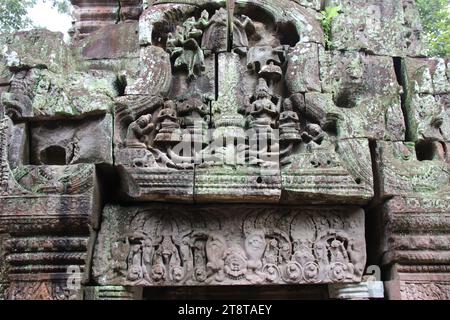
x: 225, y: 143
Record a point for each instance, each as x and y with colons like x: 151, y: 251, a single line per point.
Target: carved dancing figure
x: 184, y: 48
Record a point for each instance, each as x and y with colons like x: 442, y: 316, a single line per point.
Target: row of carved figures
x: 206, y: 258
x: 188, y: 121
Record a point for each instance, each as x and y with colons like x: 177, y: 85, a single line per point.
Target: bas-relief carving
x: 188, y: 126
x: 425, y: 291
x: 247, y: 96
x: 209, y: 246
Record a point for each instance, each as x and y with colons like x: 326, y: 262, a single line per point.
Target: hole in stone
x: 358, y: 180
x: 259, y: 180
x: 54, y: 155
x: 288, y: 34
x: 425, y: 150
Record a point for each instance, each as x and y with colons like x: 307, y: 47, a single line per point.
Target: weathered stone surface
x: 418, y: 283
x: 415, y: 242
x: 170, y: 245
x: 444, y: 100
x: 426, y: 75
x: 93, y: 15
x: 329, y: 172
x: 404, y: 172
x: 314, y: 4
x: 157, y: 18
x: 42, y: 94
x: 427, y: 118
x: 302, y: 72
x: 18, y: 152
x: 112, y: 42
x: 365, y: 93
x: 416, y: 232
x: 368, y: 289
x: 37, y: 48
x: 378, y: 27
x: 425, y: 101
x: 216, y: 104
x: 85, y: 141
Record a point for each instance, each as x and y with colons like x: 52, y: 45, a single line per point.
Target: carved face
x: 272, y: 273
x: 255, y: 245
x: 178, y: 274
x: 158, y: 272
x: 320, y: 250
x: 134, y: 273
x: 200, y: 274
x: 262, y: 93
x: 311, y: 271
x: 235, y: 262
x: 144, y: 120
x: 294, y: 271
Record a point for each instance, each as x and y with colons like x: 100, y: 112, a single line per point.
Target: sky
x: 43, y: 15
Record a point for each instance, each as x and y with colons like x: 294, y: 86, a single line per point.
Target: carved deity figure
x: 119, y: 254
x: 135, y: 263
x: 166, y: 261
x: 263, y: 110
x: 215, y: 250
x: 167, y: 124
x: 321, y: 253
x: 186, y: 254
x: 215, y: 37
x: 199, y: 253
x: 193, y: 112
x: 302, y: 252
x: 147, y: 257
x: 138, y: 131
x: 271, y: 255
x: 338, y: 252
x: 255, y: 245
x: 167, y: 253
x: 183, y: 46
x: 289, y: 123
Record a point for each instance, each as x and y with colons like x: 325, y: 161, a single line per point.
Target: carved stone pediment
x: 219, y: 110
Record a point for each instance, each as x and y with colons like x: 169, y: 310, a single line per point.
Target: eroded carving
x: 155, y: 247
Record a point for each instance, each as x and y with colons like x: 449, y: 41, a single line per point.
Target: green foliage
x: 435, y: 17
x: 13, y: 13
x: 327, y: 16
